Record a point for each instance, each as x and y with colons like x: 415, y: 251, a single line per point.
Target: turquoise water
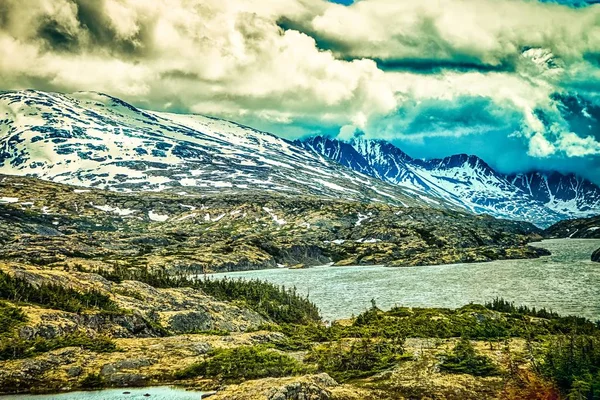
x: 156, y: 393
x: 566, y: 282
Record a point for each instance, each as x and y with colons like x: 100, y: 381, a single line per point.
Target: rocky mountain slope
x: 467, y: 181
x: 95, y: 140
x: 45, y: 223
x: 575, y: 228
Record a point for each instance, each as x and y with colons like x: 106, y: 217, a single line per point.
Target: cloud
x: 225, y: 58
x: 454, y: 70
x: 539, y: 146
x: 575, y: 146
x: 484, y: 33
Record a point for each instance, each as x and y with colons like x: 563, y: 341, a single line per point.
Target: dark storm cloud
x: 433, y: 66
x: 453, y: 61
x: 57, y: 37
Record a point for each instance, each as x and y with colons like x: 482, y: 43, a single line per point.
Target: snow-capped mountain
x: 92, y: 139
x: 468, y: 182
x: 566, y: 194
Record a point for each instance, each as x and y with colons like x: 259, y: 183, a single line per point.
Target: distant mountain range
x: 467, y: 181
x: 95, y: 140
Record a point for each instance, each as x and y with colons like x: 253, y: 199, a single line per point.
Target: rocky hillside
x: 95, y: 292
x: 46, y: 223
x: 575, y: 228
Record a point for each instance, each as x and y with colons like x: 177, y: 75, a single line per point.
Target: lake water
x: 566, y: 282
x: 156, y: 393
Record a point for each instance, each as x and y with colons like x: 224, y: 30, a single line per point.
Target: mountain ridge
x: 468, y: 181
x: 93, y: 139
x: 96, y: 140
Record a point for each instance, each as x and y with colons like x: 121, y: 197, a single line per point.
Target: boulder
x: 596, y: 256
x: 309, y: 387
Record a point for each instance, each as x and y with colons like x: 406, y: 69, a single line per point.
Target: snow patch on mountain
x: 95, y: 140
x: 467, y: 181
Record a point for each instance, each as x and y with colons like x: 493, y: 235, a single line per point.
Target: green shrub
x: 92, y: 381
x: 359, y: 358
x: 279, y: 304
x: 464, y: 360
x: 15, y: 348
x: 573, y: 363
x: 501, y: 305
x: 53, y: 296
x: 10, y: 317
x: 241, y: 363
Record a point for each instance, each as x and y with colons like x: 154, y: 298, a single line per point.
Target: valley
x: 97, y: 291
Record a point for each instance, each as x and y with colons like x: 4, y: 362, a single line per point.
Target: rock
x: 108, y: 369
x: 128, y: 364
x: 74, y: 371
x: 596, y: 256
x: 126, y: 379
x: 189, y: 321
x: 133, y: 363
x: 309, y: 387
x: 299, y: 266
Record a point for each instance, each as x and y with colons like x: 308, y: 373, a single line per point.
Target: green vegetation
x: 14, y: 347
x: 10, y: 316
x: 53, y: 296
x: 92, y: 381
x: 241, y: 363
x: 279, y: 304
x: 573, y: 363
x: 504, y: 306
x: 464, y: 360
x: 357, y: 358
x: 472, y: 321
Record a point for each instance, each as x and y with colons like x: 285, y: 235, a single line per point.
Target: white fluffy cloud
x: 575, y: 146
x: 228, y: 58
x: 491, y: 32
x: 446, y: 68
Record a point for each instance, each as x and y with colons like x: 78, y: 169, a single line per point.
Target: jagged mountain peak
x: 469, y: 182
x: 459, y: 161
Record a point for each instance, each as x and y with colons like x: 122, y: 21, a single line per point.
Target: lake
x: 156, y: 393
x: 567, y: 282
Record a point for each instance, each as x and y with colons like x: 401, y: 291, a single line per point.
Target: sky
x: 516, y: 82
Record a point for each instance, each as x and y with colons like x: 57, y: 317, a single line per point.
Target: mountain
x: 586, y: 228
x: 44, y: 223
x: 467, y: 181
x: 567, y: 194
x: 95, y: 140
